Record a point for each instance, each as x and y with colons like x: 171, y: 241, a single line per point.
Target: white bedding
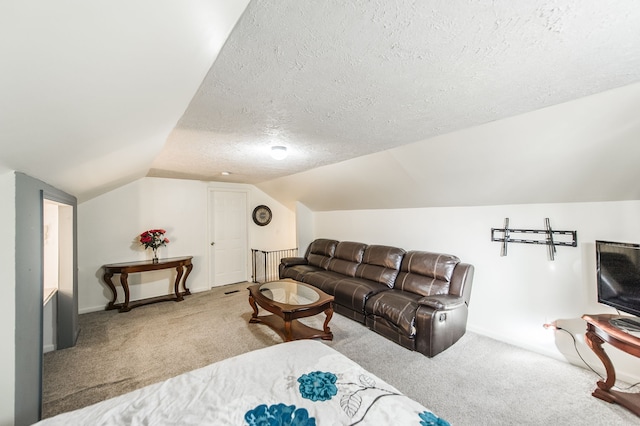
x: 298, y: 383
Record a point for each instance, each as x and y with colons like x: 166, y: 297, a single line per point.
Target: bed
x: 300, y: 383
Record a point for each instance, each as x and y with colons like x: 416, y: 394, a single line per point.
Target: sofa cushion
x: 320, y: 252
x: 426, y: 273
x: 381, y: 264
x: 292, y: 261
x: 297, y: 272
x: 347, y: 257
x: 324, y: 280
x: 395, y: 306
x: 391, y: 331
x: 441, y: 301
x: 354, y: 292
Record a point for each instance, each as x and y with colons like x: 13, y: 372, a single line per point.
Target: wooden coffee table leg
x: 254, y: 317
x: 288, y: 332
x: 327, y: 331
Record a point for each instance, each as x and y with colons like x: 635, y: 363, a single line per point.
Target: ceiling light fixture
x: 279, y: 152
x: 225, y: 173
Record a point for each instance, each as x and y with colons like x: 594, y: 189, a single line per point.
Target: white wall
x: 8, y: 299
x: 280, y: 233
x: 50, y: 255
x: 513, y: 296
x: 109, y: 225
x: 49, y: 324
x: 305, y: 227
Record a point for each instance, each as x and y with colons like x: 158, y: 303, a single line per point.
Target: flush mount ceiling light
x: 279, y: 152
x: 225, y: 173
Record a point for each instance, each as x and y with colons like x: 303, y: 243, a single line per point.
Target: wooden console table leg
x: 184, y: 280
x: 600, y: 330
x: 176, y: 285
x: 125, y: 286
x: 107, y: 279
x: 595, y: 343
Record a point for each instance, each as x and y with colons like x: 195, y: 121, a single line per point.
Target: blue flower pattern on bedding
x: 430, y: 419
x: 318, y: 386
x: 278, y: 415
x: 321, y: 386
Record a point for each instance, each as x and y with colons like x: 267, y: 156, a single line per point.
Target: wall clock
x: 262, y: 215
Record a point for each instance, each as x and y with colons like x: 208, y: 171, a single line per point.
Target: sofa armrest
x: 438, y: 328
x: 442, y: 301
x: 292, y: 261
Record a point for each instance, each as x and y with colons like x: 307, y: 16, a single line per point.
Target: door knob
x: 212, y: 243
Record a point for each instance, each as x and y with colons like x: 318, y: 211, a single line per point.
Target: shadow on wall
x: 570, y: 341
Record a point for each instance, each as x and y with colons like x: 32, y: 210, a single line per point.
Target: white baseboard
x: 89, y: 309
x: 524, y: 345
x: 48, y: 348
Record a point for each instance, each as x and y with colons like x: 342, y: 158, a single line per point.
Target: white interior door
x: 228, y: 250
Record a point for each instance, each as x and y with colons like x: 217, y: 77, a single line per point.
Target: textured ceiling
x: 90, y: 90
x: 381, y: 103
x: 336, y: 80
x: 580, y: 151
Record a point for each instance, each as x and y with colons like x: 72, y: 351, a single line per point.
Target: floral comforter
x: 301, y: 383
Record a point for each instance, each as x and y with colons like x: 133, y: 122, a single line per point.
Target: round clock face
x: 262, y: 215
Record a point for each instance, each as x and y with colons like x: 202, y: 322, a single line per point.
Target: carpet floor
x: 478, y: 381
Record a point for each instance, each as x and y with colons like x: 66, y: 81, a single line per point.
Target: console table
x: 182, y: 265
x: 599, y: 331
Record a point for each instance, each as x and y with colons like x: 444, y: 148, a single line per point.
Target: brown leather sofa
x: 417, y: 299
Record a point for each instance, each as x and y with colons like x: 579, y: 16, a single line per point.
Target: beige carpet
x: 478, y: 381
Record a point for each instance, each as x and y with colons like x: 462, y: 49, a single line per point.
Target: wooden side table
x: 182, y: 266
x: 599, y: 331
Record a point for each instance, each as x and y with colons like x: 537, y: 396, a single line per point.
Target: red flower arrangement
x: 153, y: 238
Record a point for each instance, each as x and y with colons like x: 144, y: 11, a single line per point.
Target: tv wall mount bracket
x: 505, y: 236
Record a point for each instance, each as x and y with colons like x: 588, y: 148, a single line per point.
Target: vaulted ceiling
x: 380, y: 104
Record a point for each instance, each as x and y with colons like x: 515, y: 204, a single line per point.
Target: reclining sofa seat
x: 427, y: 308
x: 344, y: 264
x: 317, y: 258
x: 357, y: 272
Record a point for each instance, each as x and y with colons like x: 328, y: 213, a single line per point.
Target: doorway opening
x: 57, y: 235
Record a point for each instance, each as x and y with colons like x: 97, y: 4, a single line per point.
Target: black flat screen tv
x: 618, y: 275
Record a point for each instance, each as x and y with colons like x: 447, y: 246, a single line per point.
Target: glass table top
x: 288, y: 292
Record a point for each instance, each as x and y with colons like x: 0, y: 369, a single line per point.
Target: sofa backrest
x: 381, y: 264
x: 347, y: 257
x: 320, y: 252
x: 426, y: 273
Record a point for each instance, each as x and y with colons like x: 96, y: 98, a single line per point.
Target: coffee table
x: 289, y: 300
